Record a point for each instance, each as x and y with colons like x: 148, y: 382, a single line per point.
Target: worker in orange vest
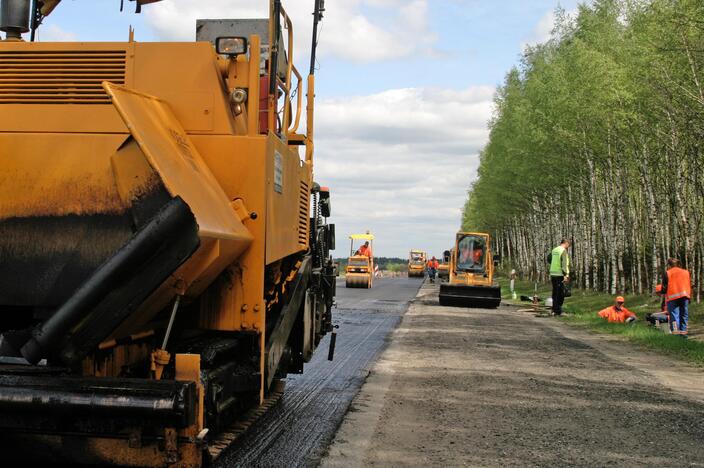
x: 617, y: 313
x: 677, y: 287
x: 364, y: 250
x: 432, y: 267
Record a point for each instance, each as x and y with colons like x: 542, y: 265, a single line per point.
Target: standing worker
x: 432, y: 268
x: 677, y: 287
x: 559, y: 274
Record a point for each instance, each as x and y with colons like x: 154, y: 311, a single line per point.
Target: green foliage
x: 597, y: 137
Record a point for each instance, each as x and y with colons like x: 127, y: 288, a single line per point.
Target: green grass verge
x: 582, y: 310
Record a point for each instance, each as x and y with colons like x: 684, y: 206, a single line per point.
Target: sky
x: 404, y: 91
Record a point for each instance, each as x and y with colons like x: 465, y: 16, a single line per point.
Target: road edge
x: 350, y: 445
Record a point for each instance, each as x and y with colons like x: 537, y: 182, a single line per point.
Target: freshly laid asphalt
x: 298, y: 430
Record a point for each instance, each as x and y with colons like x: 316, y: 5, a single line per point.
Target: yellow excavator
x: 164, y: 249
x: 471, y: 282
x: 416, y: 264
x: 360, y: 264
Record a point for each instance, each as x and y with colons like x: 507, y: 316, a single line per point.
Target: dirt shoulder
x: 462, y: 387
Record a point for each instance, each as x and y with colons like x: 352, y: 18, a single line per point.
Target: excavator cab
x: 471, y: 274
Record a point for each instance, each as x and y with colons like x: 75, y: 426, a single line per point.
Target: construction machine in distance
x: 360, y: 266
x: 471, y: 282
x: 444, y: 266
x: 164, y: 248
x: 416, y: 264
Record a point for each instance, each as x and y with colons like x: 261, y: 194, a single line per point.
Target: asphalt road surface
x: 298, y: 430
x: 477, y: 387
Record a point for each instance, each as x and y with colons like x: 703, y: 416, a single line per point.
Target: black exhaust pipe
x: 14, y: 17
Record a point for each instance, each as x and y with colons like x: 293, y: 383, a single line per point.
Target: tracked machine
x: 471, y: 274
x: 360, y: 264
x: 416, y: 264
x: 164, y: 250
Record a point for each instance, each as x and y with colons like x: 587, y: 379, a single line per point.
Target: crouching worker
x: 656, y: 318
x: 617, y: 313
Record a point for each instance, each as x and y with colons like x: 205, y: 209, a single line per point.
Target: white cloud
x: 543, y: 29
x: 399, y: 163
x: 541, y: 32
x: 53, y: 33
x: 399, y: 28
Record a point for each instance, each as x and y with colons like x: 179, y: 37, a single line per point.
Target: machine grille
x: 59, y: 77
x: 303, y: 214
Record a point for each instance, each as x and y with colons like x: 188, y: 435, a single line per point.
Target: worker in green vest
x: 559, y: 274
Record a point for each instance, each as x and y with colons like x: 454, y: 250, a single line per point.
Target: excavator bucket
x: 462, y: 295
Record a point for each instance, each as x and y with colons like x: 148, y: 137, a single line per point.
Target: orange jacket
x: 433, y: 264
x: 678, y: 284
x: 477, y: 255
x: 365, y: 251
x: 616, y: 316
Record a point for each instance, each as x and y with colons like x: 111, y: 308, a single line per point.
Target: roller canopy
x: 362, y: 236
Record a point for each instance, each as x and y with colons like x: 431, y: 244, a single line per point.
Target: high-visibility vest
x: 556, y: 262
x: 616, y: 316
x: 678, y: 284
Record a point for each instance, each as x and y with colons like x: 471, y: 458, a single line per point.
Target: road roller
x: 164, y: 248
x: 416, y: 263
x: 471, y: 273
x: 360, y: 264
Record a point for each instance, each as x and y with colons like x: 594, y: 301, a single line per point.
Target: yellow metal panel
x: 196, y: 94
x: 172, y: 155
x: 288, y: 194
x: 36, y: 181
x: 76, y: 118
x: 239, y: 165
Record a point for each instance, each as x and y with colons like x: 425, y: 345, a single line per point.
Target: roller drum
x: 357, y: 281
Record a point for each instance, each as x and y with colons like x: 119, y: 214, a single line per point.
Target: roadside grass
x: 582, y: 310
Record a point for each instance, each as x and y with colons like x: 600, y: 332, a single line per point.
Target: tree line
x: 597, y: 137
x: 385, y: 263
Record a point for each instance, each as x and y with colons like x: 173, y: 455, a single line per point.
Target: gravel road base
x: 473, y: 387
